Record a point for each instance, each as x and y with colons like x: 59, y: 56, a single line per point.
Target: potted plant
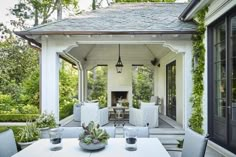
x: 45, y: 122
x: 28, y: 134
x: 93, y: 137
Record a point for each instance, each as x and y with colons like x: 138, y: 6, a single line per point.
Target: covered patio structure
x: 149, y: 34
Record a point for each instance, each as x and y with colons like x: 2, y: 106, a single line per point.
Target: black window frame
x: 225, y: 18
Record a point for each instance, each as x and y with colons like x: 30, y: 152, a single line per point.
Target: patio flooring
x: 168, y: 132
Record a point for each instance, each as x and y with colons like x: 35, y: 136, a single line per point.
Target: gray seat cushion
x: 7, y: 144
x: 194, y: 144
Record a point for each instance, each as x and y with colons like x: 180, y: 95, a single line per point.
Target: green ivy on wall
x: 198, y: 62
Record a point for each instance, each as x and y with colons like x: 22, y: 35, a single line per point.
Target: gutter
x: 24, y: 33
x: 29, y: 39
x: 188, y: 9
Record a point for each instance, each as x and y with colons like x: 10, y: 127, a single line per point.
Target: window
x: 222, y: 81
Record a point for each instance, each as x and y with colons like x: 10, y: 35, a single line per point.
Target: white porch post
x: 49, y: 79
x: 187, y: 64
x: 81, y: 85
x: 84, y: 84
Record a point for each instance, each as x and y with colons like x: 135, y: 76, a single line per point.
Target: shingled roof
x: 127, y: 18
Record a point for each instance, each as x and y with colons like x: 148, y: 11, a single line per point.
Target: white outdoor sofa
x: 147, y: 115
x: 91, y: 112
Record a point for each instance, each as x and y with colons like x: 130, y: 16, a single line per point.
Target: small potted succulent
x: 27, y: 135
x: 45, y: 122
x: 93, y: 137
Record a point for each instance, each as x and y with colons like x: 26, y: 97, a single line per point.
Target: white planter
x: 44, y: 132
x: 23, y: 145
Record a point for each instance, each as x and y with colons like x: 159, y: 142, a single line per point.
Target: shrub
x: 66, y: 109
x: 18, y: 117
x: 28, y: 133
x: 46, y: 120
x: 29, y: 109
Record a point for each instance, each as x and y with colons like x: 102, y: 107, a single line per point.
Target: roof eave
x: 192, y: 9
x: 26, y: 33
x: 188, y: 9
x: 24, y: 36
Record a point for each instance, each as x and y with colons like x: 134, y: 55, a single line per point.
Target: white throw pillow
x: 90, y: 104
x: 147, y: 104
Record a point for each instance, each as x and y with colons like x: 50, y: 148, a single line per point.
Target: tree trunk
x: 94, y: 5
x: 36, y: 18
x: 59, y: 10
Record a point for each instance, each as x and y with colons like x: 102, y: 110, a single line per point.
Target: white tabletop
x: 146, y: 147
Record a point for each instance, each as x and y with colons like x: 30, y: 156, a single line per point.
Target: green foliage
x: 15, y: 129
x: 180, y: 143
x: 28, y: 133
x: 66, y: 109
x: 102, y: 101
x: 26, y: 109
x: 97, y: 85
x: 145, y: 0
x: 30, y: 89
x: 18, y: 117
x: 17, y: 61
x: 198, y: 61
x: 68, y: 83
x: 46, y: 120
x: 93, y: 134
x: 142, y: 84
x: 39, y: 11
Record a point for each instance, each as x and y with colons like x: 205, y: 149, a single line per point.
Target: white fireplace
x: 119, y: 82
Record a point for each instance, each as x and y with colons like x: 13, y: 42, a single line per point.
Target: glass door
x: 222, y: 82
x: 171, y: 90
x: 219, y: 87
x: 232, y: 104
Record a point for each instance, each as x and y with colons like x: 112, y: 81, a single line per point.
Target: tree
x: 40, y: 10
x: 68, y: 84
x: 142, y: 84
x: 17, y: 61
x: 97, y: 85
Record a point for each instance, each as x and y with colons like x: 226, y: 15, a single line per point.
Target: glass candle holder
x: 55, y: 135
x: 130, y: 139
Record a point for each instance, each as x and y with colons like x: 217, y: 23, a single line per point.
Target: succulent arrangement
x: 28, y: 133
x: 46, y: 120
x: 93, y: 134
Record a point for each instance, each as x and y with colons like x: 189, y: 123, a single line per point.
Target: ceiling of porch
x: 130, y: 53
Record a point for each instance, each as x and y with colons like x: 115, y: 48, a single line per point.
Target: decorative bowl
x: 92, y: 146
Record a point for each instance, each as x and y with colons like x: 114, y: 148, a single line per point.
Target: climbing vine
x: 198, y: 62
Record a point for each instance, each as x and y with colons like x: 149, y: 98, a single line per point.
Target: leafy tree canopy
x: 39, y: 10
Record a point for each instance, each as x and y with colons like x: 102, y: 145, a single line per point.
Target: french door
x: 171, y: 90
x: 222, y: 81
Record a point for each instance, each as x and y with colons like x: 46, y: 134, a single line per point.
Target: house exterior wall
x: 160, y: 88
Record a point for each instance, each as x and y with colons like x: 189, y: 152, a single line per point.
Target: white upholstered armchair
x: 146, y: 115
x: 91, y: 112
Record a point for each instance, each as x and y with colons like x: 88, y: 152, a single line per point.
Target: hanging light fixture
x: 119, y: 64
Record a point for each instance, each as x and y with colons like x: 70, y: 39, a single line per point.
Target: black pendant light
x: 119, y: 64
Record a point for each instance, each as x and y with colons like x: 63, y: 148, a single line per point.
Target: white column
x: 188, y: 85
x: 81, y: 84
x: 85, y: 84
x: 49, y: 79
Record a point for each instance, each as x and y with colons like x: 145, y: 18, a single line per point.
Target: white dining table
x: 146, y: 147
